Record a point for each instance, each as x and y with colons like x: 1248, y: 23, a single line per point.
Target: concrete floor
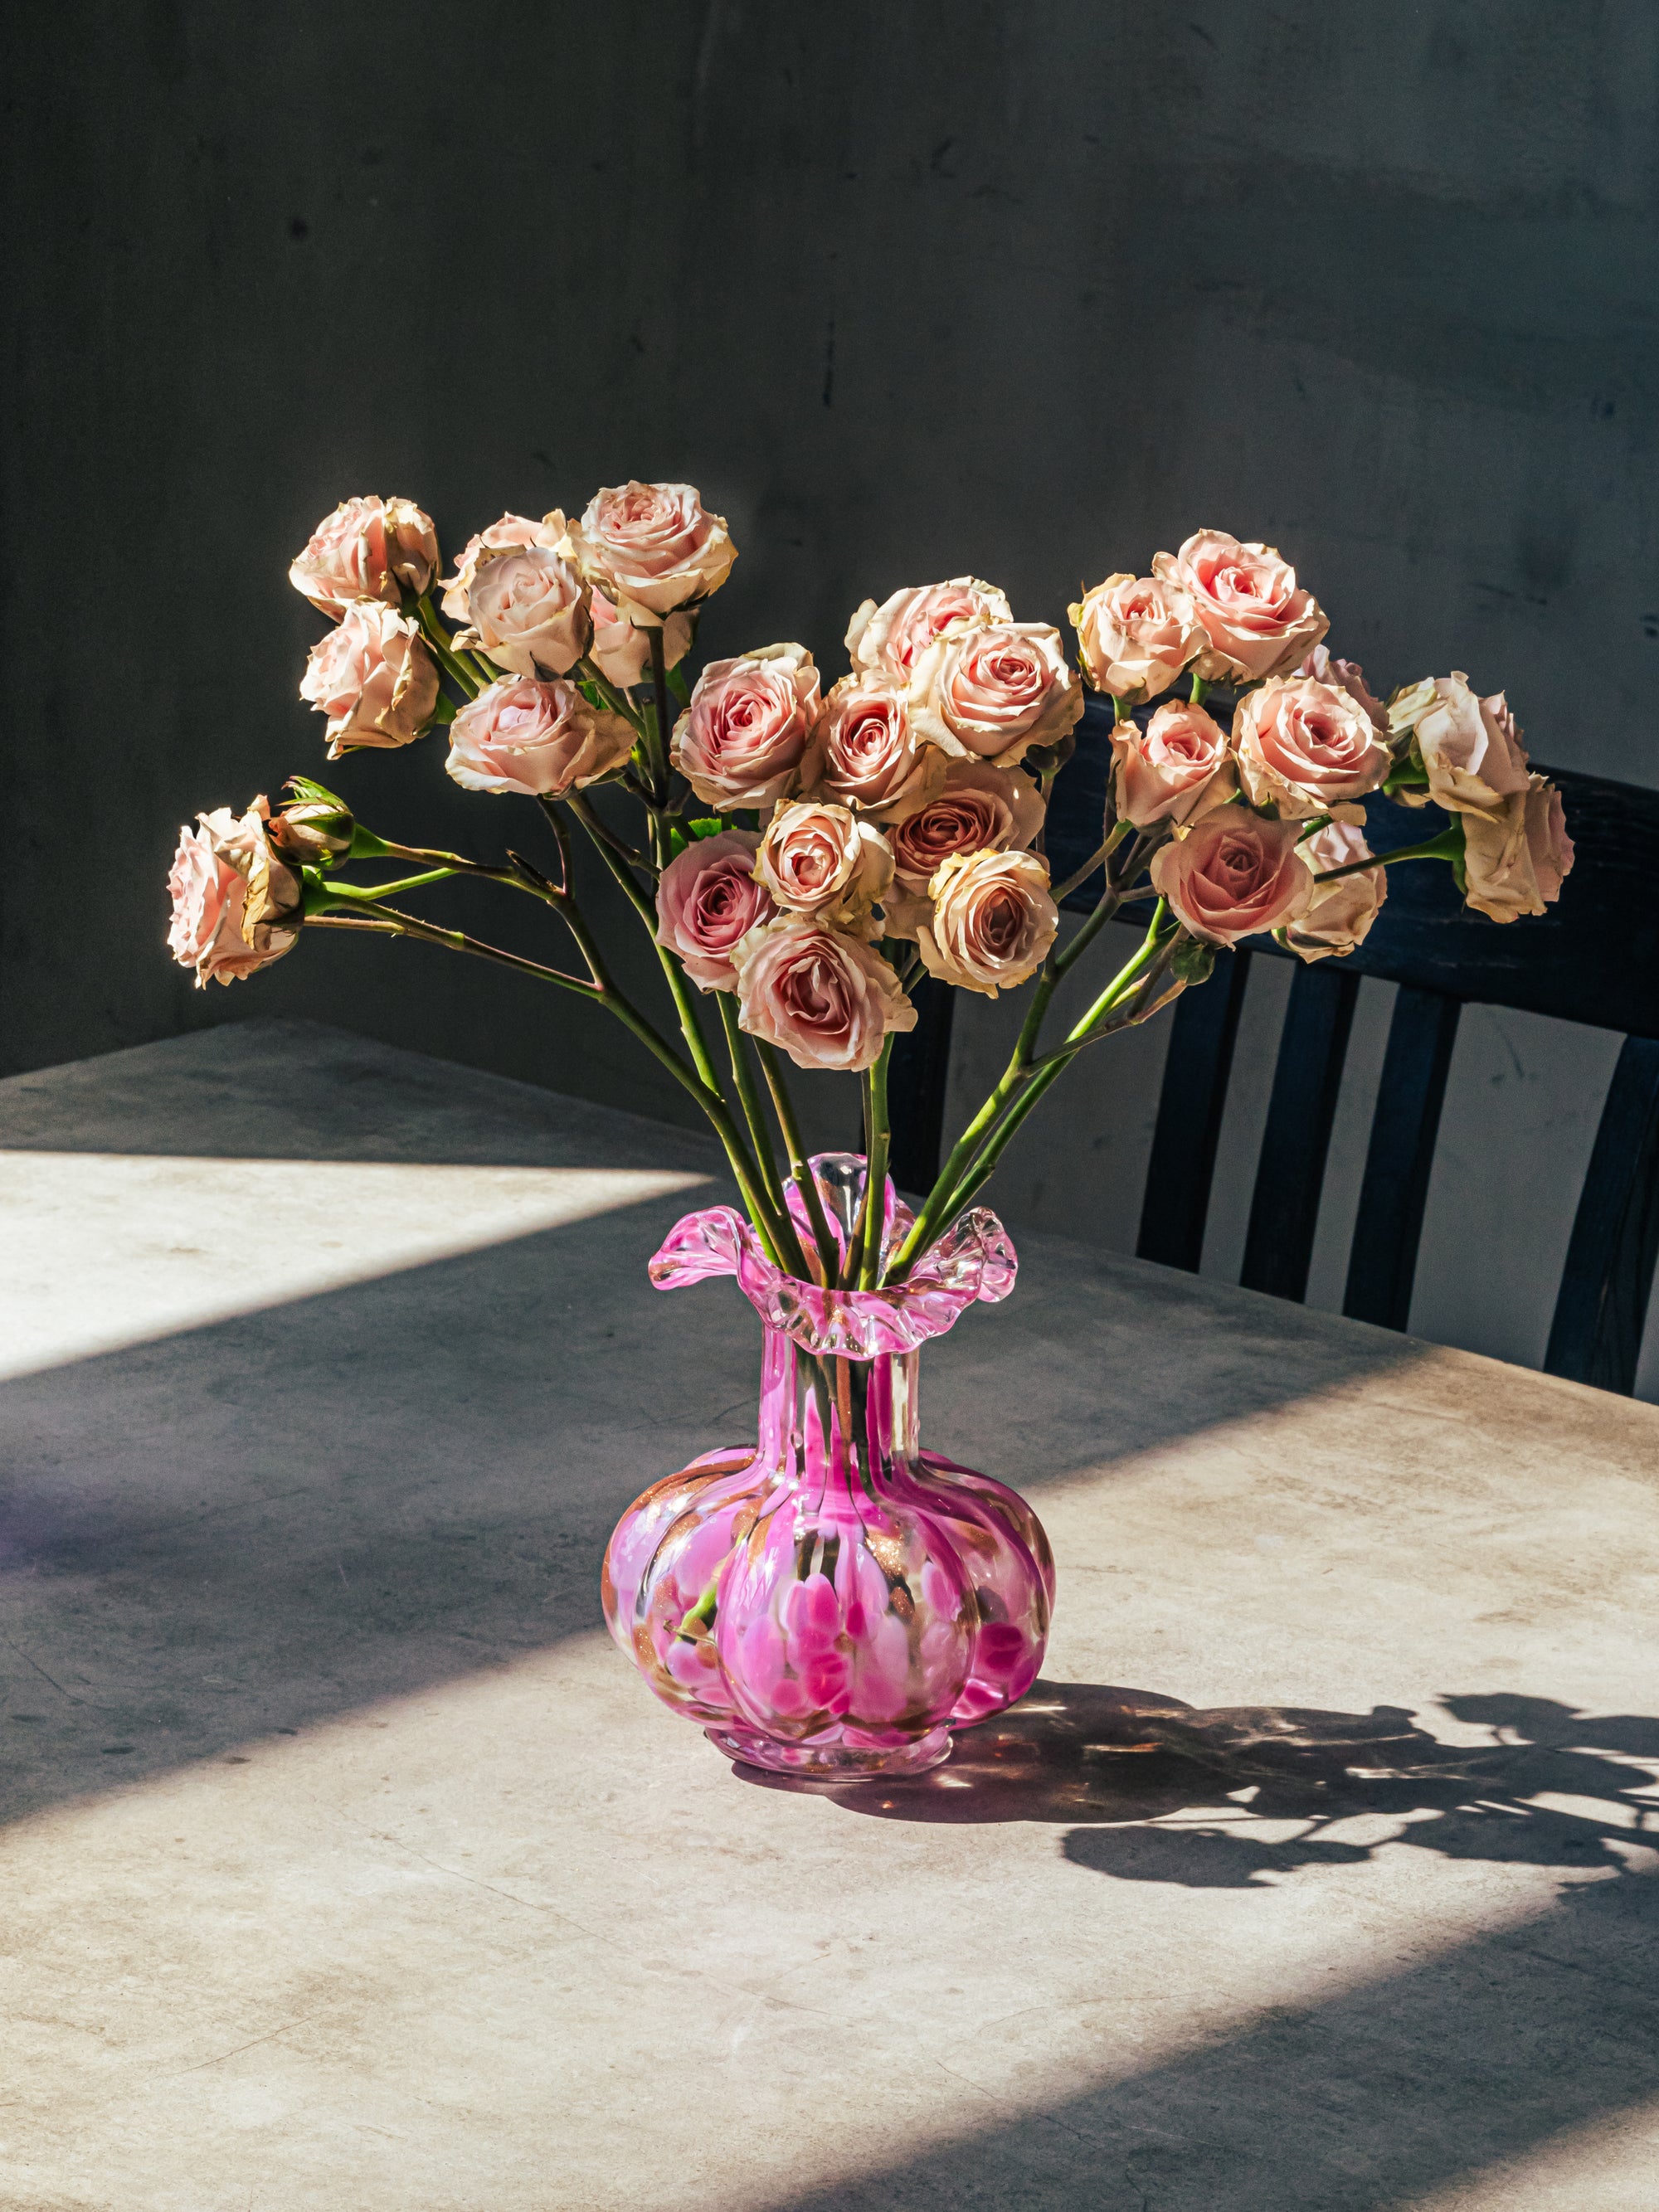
x: 347, y: 1865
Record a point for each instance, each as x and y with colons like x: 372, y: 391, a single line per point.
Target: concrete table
x: 349, y: 1868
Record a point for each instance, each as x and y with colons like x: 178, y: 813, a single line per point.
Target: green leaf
x: 1192, y: 962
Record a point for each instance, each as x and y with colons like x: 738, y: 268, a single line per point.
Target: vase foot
x: 832, y: 1762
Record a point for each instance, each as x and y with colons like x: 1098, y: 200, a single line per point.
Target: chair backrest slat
x: 1597, y: 1333
x: 1388, y: 1226
x: 1200, y: 1059
x: 1301, y: 1111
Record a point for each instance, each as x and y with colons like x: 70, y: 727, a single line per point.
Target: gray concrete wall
x: 907, y: 288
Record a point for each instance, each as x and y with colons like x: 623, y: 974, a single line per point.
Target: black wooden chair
x: 1593, y: 959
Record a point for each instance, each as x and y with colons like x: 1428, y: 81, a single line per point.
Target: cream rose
x: 707, y: 902
x: 1306, y: 747
x: 993, y: 921
x: 1517, y: 856
x: 1339, y: 914
x: 1471, y: 747
x: 991, y: 694
x: 827, y: 1000
x: 1348, y: 676
x: 529, y: 612
x: 373, y: 677
x: 743, y: 740
x: 236, y: 907
x: 367, y: 549
x: 867, y: 754
x: 1233, y: 874
x: 650, y: 548
x: 824, y: 861
x: 1257, y: 619
x: 535, y: 740
x: 622, y: 653
x: 1136, y: 633
x: 889, y: 639
x: 513, y: 531
x: 1175, y: 770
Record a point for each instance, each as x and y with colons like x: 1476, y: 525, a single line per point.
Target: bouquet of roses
x: 801, y: 859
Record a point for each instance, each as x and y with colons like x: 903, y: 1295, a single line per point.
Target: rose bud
x: 991, y: 694
x: 367, y: 549
x: 827, y: 1000
x: 993, y: 921
x: 1349, y: 677
x: 622, y: 653
x: 236, y: 907
x: 1338, y: 915
x: 1175, y: 770
x: 314, y: 826
x: 743, y: 740
x: 373, y: 677
x: 1257, y: 619
x: 1307, y: 748
x: 707, y: 902
x: 650, y: 549
x: 535, y: 740
x: 979, y: 809
x: 1233, y: 874
x: 889, y: 639
x: 1136, y: 633
x: 824, y: 861
x: 1471, y: 748
x: 867, y: 754
x: 1517, y: 856
x: 513, y: 531
x: 528, y: 613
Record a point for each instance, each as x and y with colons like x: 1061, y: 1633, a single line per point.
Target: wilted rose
x: 1233, y: 874
x: 867, y: 754
x: 373, y: 677
x: 707, y: 902
x: 622, y: 653
x: 825, y: 860
x: 743, y: 739
x: 1136, y: 633
x: 1306, y: 747
x: 534, y: 739
x: 1175, y: 770
x: 889, y: 639
x: 236, y: 907
x: 827, y: 1000
x: 1349, y: 677
x: 993, y: 693
x: 993, y: 921
x: 529, y: 612
x: 1339, y: 914
x: 650, y: 548
x: 1471, y: 747
x: 1517, y: 855
x: 512, y: 530
x: 1257, y: 619
x: 367, y: 549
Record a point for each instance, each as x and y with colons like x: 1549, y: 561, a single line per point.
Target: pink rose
x: 1136, y: 633
x: 529, y: 612
x: 1517, y: 855
x: 867, y: 753
x: 979, y: 809
x: 827, y: 1000
x: 235, y: 907
x: 824, y: 861
x: 743, y: 740
x: 1349, y: 677
x: 993, y: 921
x: 367, y: 549
x: 1306, y: 747
x: 650, y: 548
x: 1339, y: 914
x: 1471, y: 747
x: 374, y: 678
x: 889, y: 639
x: 1175, y: 770
x: 536, y: 740
x: 1233, y: 874
x: 512, y: 530
x: 707, y: 902
x: 993, y: 693
x: 1257, y: 619
x: 622, y: 653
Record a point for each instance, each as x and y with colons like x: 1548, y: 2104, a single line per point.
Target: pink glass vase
x: 835, y: 1601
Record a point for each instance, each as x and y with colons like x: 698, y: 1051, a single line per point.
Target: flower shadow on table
x: 1116, y: 1765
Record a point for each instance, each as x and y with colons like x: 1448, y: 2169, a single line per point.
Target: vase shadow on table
x: 1114, y: 1765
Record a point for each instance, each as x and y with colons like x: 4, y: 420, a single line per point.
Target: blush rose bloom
x: 743, y: 740
x: 1471, y: 747
x: 374, y: 678
x: 650, y: 549
x: 707, y: 902
x: 889, y: 639
x: 529, y: 612
x: 1338, y: 915
x: 622, y: 653
x: 1257, y: 619
x: 235, y: 907
x: 867, y: 754
x: 1175, y: 770
x: 1517, y: 855
x: 512, y: 532
x: 1306, y: 747
x: 826, y: 861
x: 991, y: 694
x: 1233, y: 874
x: 367, y: 549
x: 827, y: 1000
x: 993, y: 921
x: 535, y: 740
x: 979, y: 809
x: 1136, y: 633
x: 1349, y: 677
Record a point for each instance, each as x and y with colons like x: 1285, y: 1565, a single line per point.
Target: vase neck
x: 846, y: 1425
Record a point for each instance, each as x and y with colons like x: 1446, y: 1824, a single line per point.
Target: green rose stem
x: 1448, y: 846
x: 799, y: 1173
x: 660, y: 686
x: 742, y: 1075
x: 863, y: 1255
x: 468, y: 678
